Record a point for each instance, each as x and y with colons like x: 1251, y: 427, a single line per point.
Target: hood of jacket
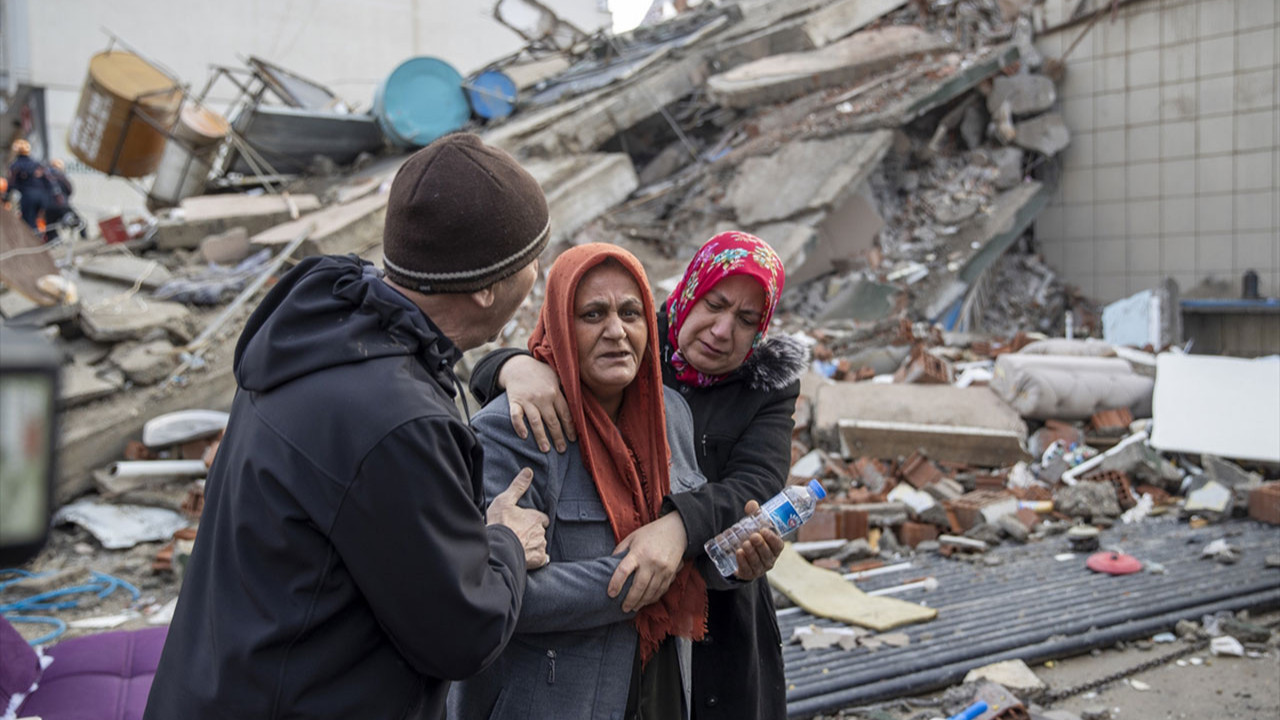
x: 331, y: 311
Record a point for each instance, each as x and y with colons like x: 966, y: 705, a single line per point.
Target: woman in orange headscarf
x: 577, y: 653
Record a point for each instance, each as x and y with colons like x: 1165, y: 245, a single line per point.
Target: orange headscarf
x: 630, y: 460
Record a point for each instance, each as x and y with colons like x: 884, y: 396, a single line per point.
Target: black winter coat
x: 742, y: 430
x: 343, y: 568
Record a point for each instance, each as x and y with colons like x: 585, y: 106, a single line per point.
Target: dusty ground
x: 1198, y: 686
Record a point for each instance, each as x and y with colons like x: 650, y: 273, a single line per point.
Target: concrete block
x: 580, y: 188
x: 126, y: 269
x: 335, y: 230
x: 949, y: 424
x: 205, y: 215
x: 129, y: 319
x: 81, y: 383
x: 226, y: 248
x: 1026, y: 94
x: 1046, y: 134
x: 788, y: 76
x: 843, y: 17
x: 822, y: 174
x: 1008, y: 162
x: 144, y: 363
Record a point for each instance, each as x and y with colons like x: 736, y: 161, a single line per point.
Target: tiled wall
x: 1174, y: 166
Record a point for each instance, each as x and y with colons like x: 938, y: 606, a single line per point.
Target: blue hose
x: 102, y: 586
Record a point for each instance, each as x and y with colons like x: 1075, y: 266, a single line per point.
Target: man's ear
x: 484, y: 298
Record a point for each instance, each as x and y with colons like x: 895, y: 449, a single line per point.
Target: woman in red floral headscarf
x: 741, y: 384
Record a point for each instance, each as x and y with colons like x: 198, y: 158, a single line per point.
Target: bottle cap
x: 817, y: 488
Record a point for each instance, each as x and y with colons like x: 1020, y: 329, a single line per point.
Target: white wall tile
x: 1112, y: 35
x: 1143, y: 281
x: 1255, y: 90
x: 1217, y: 56
x: 1177, y: 139
x: 1143, y: 106
x: 1214, y: 214
x: 1178, y: 254
x: 1052, y: 250
x: 1256, y: 130
x: 1109, y: 73
x: 1178, y: 24
x: 1142, y: 143
x: 1079, y: 79
x: 1077, y: 113
x: 1143, y: 180
x: 1215, y: 253
x: 1142, y: 217
x: 1216, y: 17
x: 1108, y: 147
x: 1144, y: 29
x: 1109, y: 110
x: 1109, y: 219
x: 1255, y: 211
x: 1109, y: 288
x: 1109, y: 183
x: 1178, y: 62
x: 1257, y: 49
x: 1110, y: 256
x: 1144, y: 68
x: 1256, y: 251
x: 1214, y: 174
x: 1254, y: 171
x: 1178, y: 178
x: 1216, y: 96
x: 1255, y: 13
x: 1078, y: 261
x: 1178, y: 101
x: 1077, y: 186
x: 1079, y: 154
x: 1143, y: 254
x: 1215, y: 135
x: 1077, y: 222
x: 1049, y: 222
x: 1177, y: 215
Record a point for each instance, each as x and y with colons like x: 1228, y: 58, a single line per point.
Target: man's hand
x: 529, y: 525
x: 654, y: 555
x: 757, y: 555
x: 533, y: 390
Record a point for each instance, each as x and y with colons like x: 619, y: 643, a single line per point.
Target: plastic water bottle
x: 783, y: 513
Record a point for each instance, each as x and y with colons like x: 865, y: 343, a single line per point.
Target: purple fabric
x: 98, y: 677
x: 19, y: 666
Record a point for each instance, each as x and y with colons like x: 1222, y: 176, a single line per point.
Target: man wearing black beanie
x: 344, y: 567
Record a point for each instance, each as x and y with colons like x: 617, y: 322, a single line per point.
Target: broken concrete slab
x: 1046, y: 134
x: 1008, y: 162
x: 204, y: 215
x: 1057, y: 387
x: 129, y: 319
x: 932, y: 86
x: 335, y: 230
x: 864, y: 300
x: 950, y: 424
x: 845, y: 235
x: 144, y: 363
x: 793, y: 242
x: 791, y: 75
x: 1218, y: 405
x: 580, y: 188
x: 1026, y: 94
x: 843, y: 17
x: 126, y: 269
x: 81, y: 383
x: 821, y: 174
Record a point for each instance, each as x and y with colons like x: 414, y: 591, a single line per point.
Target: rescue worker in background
x: 28, y: 177
x: 59, y: 212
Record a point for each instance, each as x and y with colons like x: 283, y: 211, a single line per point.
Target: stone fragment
x: 1008, y: 162
x: 1027, y: 94
x: 226, y: 248
x: 1087, y: 500
x: 144, y: 363
x: 1046, y: 134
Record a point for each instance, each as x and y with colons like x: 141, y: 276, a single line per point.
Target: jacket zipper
x: 704, y: 445
x: 551, y: 667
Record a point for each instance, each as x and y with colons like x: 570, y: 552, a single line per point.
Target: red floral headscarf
x: 727, y: 254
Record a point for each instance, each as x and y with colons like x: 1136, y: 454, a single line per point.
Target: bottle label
x: 784, y: 515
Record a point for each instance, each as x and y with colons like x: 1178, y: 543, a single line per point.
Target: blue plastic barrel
x: 492, y: 94
x: 419, y: 101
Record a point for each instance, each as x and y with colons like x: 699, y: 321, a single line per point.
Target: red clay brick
x: 852, y: 524
x: 822, y: 526
x: 914, y: 533
x: 1118, y: 479
x: 1111, y: 422
x: 919, y: 471
x: 827, y: 563
x: 1264, y: 503
x: 968, y: 507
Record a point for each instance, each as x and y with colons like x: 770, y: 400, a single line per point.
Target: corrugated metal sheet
x: 1034, y: 607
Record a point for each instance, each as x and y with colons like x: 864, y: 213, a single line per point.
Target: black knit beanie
x: 462, y: 215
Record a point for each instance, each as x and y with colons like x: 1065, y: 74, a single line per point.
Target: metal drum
x: 188, y: 157
x: 492, y: 94
x: 419, y: 101
x: 110, y: 131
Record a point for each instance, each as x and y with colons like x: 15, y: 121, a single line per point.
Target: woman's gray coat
x: 573, y: 649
